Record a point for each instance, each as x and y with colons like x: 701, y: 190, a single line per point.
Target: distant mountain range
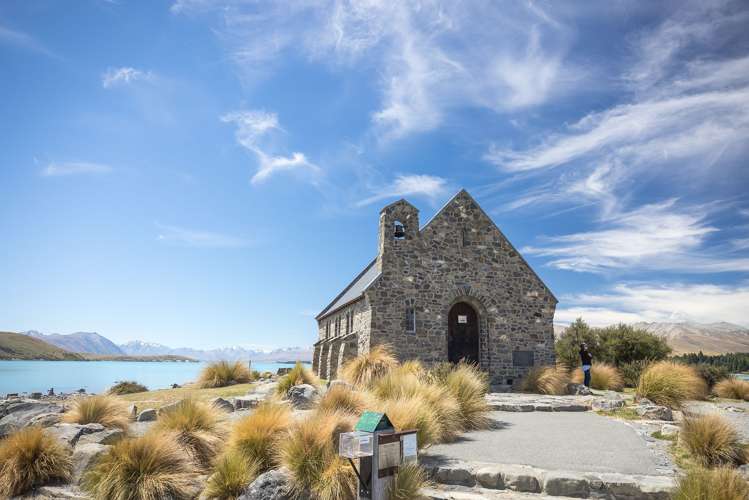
x: 683, y: 337
x: 93, y: 343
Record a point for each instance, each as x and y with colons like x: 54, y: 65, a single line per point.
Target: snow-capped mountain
x: 140, y: 348
x: 85, y: 342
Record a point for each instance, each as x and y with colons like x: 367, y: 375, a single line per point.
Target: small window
x: 465, y: 237
x: 399, y: 231
x: 338, y: 326
x: 522, y: 358
x: 327, y: 329
x: 411, y: 316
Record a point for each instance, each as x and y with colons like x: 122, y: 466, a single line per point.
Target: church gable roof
x: 354, y: 290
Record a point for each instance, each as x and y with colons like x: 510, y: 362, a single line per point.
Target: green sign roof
x: 371, y: 421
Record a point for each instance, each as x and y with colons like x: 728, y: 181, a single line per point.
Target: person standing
x: 587, y: 359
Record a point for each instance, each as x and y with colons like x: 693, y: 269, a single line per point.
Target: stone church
x: 452, y: 289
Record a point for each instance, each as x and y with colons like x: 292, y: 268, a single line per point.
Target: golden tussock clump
x: 29, y: 458
x: 414, y: 412
x: 603, y: 376
x: 550, y: 380
x: 670, y: 384
x: 223, y: 373
x: 337, y: 481
x: 151, y: 467
x: 469, y: 385
x: 365, y: 368
x: 711, y: 484
x: 311, y: 446
x: 197, y: 427
x: 231, y: 475
x: 298, y: 375
x: 732, y: 388
x: 258, y: 436
x: 408, y: 483
x: 343, y: 398
x: 105, y: 410
x: 712, y: 440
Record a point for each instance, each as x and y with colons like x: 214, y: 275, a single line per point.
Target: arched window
x: 410, y: 316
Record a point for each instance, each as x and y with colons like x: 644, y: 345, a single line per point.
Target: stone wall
x: 332, y: 351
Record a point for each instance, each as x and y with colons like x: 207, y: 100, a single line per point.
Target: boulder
x: 46, y: 419
x: 147, y: 415
x: 491, y: 477
x: 107, y: 436
x: 18, y: 413
x: 608, y: 404
x: 521, y: 478
x: 132, y: 412
x: 302, y: 396
x: 566, y: 484
x: 669, y: 430
x: 223, y: 404
x: 455, y: 474
x: 247, y: 402
x: 578, y: 390
x: 84, y: 456
x: 271, y: 485
x: 168, y: 407
x: 654, y: 412
x: 71, y: 433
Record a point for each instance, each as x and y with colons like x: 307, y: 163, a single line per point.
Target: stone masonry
x: 459, y: 257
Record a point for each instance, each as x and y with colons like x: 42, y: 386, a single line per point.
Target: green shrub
x: 631, y: 372
x: 127, y: 387
x: 29, y: 458
x: 300, y: 374
x: 568, y: 345
x: 711, y: 374
x: 223, y: 373
x: 711, y: 484
x: 670, y: 384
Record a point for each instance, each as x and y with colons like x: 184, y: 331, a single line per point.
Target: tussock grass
x: 258, y: 436
x: 414, y: 412
x: 715, y: 484
x: 29, y: 458
x: 603, y: 376
x: 105, y: 410
x: 343, y: 398
x: 231, y: 475
x: 337, y: 482
x: 365, y: 368
x: 197, y: 426
x: 469, y: 385
x: 151, y: 467
x: 670, y: 384
x: 310, y: 447
x: 414, y: 366
x: 732, y: 388
x: 127, y: 387
x: 223, y: 373
x: 408, y: 484
x: 712, y: 440
x: 550, y: 380
x: 298, y: 375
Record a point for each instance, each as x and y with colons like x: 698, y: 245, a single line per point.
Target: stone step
x: 462, y: 493
x: 526, y: 479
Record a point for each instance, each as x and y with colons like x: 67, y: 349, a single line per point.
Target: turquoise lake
x: 97, y: 376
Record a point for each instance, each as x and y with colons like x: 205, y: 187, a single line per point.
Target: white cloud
x: 190, y: 237
x: 123, y: 76
x: 252, y: 126
x: 24, y: 40
x: 703, y: 303
x: 56, y: 169
x: 658, y: 236
x: 409, y: 185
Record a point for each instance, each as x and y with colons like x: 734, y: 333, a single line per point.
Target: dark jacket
x: 586, y: 357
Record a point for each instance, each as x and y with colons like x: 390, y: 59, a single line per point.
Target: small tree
x: 626, y: 344
x: 568, y: 345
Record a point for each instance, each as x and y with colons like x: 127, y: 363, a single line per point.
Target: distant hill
x: 684, y: 337
x: 19, y: 346
x: 140, y: 348
x: 86, y: 342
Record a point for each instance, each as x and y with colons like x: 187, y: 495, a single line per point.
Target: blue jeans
x: 586, y: 373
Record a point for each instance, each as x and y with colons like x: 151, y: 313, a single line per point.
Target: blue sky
x: 202, y: 173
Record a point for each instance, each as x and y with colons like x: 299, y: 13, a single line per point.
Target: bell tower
x: 398, y: 234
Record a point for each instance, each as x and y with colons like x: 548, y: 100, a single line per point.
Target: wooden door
x: 463, y: 334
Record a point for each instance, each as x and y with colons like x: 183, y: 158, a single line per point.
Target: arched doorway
x: 463, y: 334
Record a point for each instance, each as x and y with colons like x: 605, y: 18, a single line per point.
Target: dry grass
x: 366, y: 368
x: 127, y: 387
x: 732, y: 388
x: 603, y: 376
x: 151, y: 467
x: 223, y: 373
x: 231, y: 475
x: 108, y: 411
x: 670, y: 384
x: 408, y: 483
x: 298, y: 375
x: 337, y: 481
x: 414, y: 366
x: 198, y: 428
x: 343, y: 398
x: 29, y: 458
x: 469, y: 385
x: 257, y: 436
x: 414, y: 412
x: 712, y: 441
x: 311, y: 447
x: 550, y: 380
x: 715, y: 484
x: 157, y: 399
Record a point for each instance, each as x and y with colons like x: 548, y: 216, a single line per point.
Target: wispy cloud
x: 427, y: 186
x: 626, y: 302
x: 24, y: 40
x: 56, y: 169
x: 194, y: 238
x: 123, y: 76
x: 252, y: 126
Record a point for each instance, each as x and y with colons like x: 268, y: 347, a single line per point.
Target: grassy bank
x: 157, y: 399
